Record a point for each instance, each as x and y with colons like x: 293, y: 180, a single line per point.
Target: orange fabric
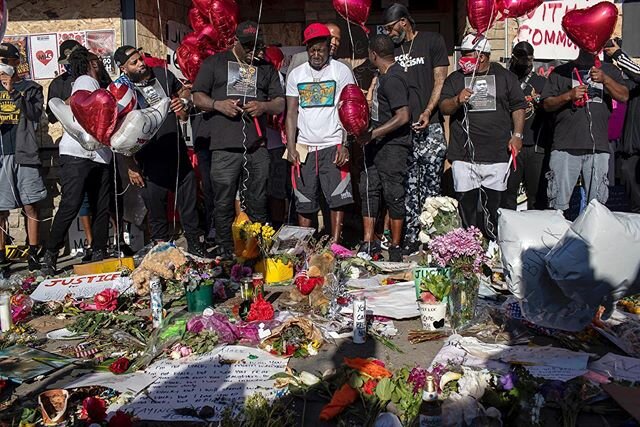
x: 367, y: 367
x: 340, y: 400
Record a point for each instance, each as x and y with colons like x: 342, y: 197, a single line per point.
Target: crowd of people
x: 270, y: 144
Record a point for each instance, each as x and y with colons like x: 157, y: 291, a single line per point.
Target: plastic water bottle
x: 156, y: 301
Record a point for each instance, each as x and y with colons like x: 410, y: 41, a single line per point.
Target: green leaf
x: 281, y: 375
x: 385, y: 388
x: 356, y: 381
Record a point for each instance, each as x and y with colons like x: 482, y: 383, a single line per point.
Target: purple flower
x: 417, y: 377
x: 205, y: 275
x: 508, y: 381
x: 238, y: 271
x: 459, y: 248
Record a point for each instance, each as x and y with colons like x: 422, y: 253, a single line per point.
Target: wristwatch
x: 518, y: 135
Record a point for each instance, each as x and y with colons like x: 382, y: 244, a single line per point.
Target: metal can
x: 155, y: 286
x: 359, y: 320
x: 257, y: 281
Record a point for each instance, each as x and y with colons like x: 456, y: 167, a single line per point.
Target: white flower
x: 424, y: 237
x: 426, y: 218
x: 311, y: 349
x: 308, y: 378
x: 473, y: 383
x: 354, y: 272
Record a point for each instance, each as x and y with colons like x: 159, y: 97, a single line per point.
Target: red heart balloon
x: 189, y: 59
x: 353, y: 110
x: 97, y: 113
x: 590, y: 28
x: 517, y: 8
x: 482, y: 14
x: 197, y: 20
x: 354, y: 10
x: 224, y: 15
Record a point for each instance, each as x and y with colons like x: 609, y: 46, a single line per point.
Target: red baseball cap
x: 316, y: 31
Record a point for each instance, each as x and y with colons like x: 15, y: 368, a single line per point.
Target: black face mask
x: 520, y: 66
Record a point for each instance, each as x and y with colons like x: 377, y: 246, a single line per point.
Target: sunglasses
x: 389, y: 27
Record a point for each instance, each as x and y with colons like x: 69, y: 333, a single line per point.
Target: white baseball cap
x: 475, y: 42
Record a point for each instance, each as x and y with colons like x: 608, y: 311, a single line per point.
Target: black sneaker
x: 48, y: 266
x: 373, y: 249
x: 98, y: 255
x: 411, y: 249
x: 88, y: 254
x: 194, y: 247
x: 395, y: 254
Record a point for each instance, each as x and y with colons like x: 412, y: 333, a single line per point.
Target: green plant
x: 438, y: 284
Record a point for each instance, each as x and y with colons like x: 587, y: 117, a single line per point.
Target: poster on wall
x: 102, y: 43
x: 44, y: 57
x: 175, y: 33
x: 22, y: 43
x: 543, y: 29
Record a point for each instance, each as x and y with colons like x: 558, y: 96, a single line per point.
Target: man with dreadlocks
x: 81, y: 171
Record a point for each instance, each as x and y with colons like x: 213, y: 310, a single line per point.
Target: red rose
x: 106, y: 300
x: 94, y: 410
x: 260, y: 310
x: 121, y: 419
x: 120, y: 366
x: 289, y: 350
x: 369, y: 387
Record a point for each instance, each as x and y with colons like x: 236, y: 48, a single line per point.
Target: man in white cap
x: 486, y: 128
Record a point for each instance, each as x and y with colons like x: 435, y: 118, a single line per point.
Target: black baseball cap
x: 7, y: 50
x: 66, y: 48
x: 120, y: 56
x: 246, y: 33
x: 395, y: 12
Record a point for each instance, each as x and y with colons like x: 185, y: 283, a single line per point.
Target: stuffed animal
x: 162, y: 261
x: 321, y: 264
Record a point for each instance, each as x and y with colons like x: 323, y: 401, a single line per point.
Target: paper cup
x: 432, y: 315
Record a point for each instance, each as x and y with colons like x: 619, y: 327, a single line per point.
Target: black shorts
x: 279, y: 175
x: 319, y: 172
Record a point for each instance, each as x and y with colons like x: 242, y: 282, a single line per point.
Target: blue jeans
x: 564, y: 171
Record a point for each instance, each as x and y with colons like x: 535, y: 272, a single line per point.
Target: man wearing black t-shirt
x: 579, y: 94
x: 163, y: 162
x: 483, y: 132
x: 530, y: 161
x: 387, y: 149
x: 423, y: 57
x: 237, y: 91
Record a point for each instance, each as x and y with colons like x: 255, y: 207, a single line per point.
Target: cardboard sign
x: 543, y: 29
x: 44, y: 56
x: 79, y: 286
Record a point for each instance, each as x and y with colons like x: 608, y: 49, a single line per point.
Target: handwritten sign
x: 79, y: 286
x: 44, y: 56
x: 219, y: 379
x: 543, y: 29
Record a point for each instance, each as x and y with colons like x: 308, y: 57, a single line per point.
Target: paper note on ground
x: 127, y: 383
x: 218, y: 379
x: 618, y: 367
x: 80, y: 286
x: 396, y: 301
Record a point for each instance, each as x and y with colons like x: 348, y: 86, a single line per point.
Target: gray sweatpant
x: 564, y: 171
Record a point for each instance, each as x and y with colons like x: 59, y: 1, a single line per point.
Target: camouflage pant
x: 426, y: 164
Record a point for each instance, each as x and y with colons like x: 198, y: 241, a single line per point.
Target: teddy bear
x: 161, y: 261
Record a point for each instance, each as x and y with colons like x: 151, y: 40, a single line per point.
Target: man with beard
x: 423, y: 57
x: 81, y: 171
x: 237, y: 91
x: 303, y: 57
x: 530, y: 161
x: 319, y: 157
x: 482, y: 136
x: 163, y: 162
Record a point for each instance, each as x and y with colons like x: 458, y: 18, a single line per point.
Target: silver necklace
x: 406, y: 69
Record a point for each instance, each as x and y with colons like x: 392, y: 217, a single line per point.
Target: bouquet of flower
x: 439, y: 216
x: 194, y: 275
x: 297, y: 337
x: 262, y: 233
x: 460, y: 249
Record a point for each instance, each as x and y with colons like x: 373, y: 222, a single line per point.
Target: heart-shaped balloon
x: 125, y: 97
x: 517, y: 8
x: 224, y: 15
x: 197, y: 20
x: 97, y: 113
x: 482, y: 14
x: 189, y: 59
x: 590, y: 28
x: 138, y: 127
x: 353, y: 110
x: 354, y: 10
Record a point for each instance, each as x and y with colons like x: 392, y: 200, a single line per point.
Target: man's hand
x: 255, y: 108
x: 135, y: 178
x: 597, y: 75
x: 423, y: 120
x: 464, y: 96
x: 611, y: 50
x: 515, y: 144
x: 342, y: 156
x: 578, y: 93
x: 228, y: 107
x: 365, y: 138
x: 6, y: 82
x: 176, y: 105
x: 292, y: 155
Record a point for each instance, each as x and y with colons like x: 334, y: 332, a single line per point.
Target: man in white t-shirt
x: 313, y: 91
x: 81, y: 171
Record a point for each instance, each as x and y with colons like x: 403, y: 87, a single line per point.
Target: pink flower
x: 106, y: 300
x: 94, y: 410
